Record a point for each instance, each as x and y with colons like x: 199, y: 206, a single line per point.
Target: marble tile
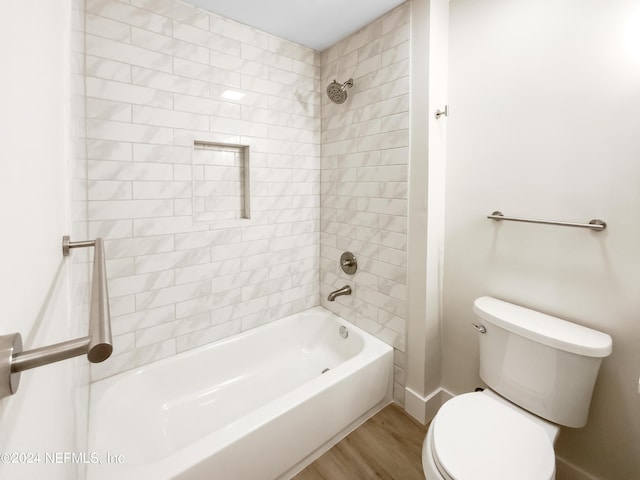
x: 323, y: 177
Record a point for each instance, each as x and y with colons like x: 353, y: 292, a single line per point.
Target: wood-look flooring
x: 388, y: 446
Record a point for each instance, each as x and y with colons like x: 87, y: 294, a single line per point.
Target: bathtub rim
x: 172, y: 464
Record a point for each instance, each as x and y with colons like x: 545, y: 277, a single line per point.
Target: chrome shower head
x: 338, y: 93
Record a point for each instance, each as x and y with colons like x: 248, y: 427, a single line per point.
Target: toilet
x: 540, y: 371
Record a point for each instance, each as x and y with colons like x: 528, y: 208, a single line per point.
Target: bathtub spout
x: 346, y: 290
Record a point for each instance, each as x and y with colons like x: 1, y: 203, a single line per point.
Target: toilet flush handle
x: 480, y: 328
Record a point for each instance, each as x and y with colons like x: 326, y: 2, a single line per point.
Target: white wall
x: 544, y: 123
x: 35, y: 39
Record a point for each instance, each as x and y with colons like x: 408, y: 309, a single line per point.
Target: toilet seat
x: 476, y: 437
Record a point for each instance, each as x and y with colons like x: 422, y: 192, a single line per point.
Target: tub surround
x: 155, y: 73
x: 364, y: 180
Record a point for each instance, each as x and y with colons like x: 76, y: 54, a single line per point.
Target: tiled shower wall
x: 364, y: 180
x: 155, y: 70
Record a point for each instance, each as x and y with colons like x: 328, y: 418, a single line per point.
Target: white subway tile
x: 166, y: 45
x: 108, y: 110
x: 169, y: 82
x: 128, y: 132
x: 126, y: 93
x: 111, y: 229
x: 107, y: 69
x: 125, y: 53
x: 176, y: 10
x: 107, y: 170
x: 104, y: 27
x: 167, y: 296
x: 192, y: 34
x: 140, y: 283
x: 122, y: 209
x: 143, y: 152
x: 119, y: 11
x: 169, y: 118
x: 208, y: 335
x: 236, y: 31
x: 109, y: 190
x: 170, y: 260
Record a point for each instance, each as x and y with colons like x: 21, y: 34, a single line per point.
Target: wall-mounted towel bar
x: 97, y: 345
x: 595, y: 224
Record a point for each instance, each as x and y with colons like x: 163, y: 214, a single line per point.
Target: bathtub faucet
x: 346, y: 290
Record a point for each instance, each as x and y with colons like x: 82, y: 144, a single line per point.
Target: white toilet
x: 541, y: 371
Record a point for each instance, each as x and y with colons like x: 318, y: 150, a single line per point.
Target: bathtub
x: 259, y: 405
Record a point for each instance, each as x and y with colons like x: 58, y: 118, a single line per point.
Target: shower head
x: 338, y: 92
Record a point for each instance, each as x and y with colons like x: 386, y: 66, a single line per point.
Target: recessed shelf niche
x: 221, y: 182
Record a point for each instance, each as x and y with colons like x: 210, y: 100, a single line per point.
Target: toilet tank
x: 545, y: 365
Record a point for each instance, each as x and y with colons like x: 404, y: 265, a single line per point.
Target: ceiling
x: 314, y: 23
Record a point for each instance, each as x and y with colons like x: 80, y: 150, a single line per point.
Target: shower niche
x: 221, y: 183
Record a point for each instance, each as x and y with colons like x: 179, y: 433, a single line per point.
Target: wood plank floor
x: 388, y: 446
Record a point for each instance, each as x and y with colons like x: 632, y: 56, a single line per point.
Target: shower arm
x: 97, y: 345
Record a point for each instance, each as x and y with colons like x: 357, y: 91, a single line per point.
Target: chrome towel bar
x: 97, y: 345
x: 595, y: 224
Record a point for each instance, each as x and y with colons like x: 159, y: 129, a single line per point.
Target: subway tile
x: 126, y: 93
x: 169, y: 260
x: 169, y: 118
x: 108, y: 110
x: 193, y: 34
x: 109, y: 190
x: 236, y: 31
x: 212, y: 238
x: 208, y: 335
x: 128, y: 132
x: 170, y: 295
x: 195, y: 70
x: 143, y: 152
x: 107, y: 69
x: 126, y: 53
x: 167, y: 83
x: 128, y: 14
x: 166, y: 45
x: 105, y: 27
x: 176, y: 10
x: 123, y: 209
x: 108, y: 170
x: 132, y: 247
x: 180, y: 285
x: 209, y: 270
x: 140, y: 283
x: 157, y: 190
x: 111, y: 229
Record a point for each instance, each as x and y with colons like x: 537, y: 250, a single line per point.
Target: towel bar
x: 595, y: 224
x: 97, y: 345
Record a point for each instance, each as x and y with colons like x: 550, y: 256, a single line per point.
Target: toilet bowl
x: 480, y: 435
x: 540, y: 371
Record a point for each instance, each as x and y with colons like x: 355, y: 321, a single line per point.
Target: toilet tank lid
x: 542, y: 328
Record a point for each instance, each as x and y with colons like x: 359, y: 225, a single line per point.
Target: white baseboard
x: 423, y: 409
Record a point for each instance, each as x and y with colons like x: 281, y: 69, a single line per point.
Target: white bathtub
x: 254, y: 406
